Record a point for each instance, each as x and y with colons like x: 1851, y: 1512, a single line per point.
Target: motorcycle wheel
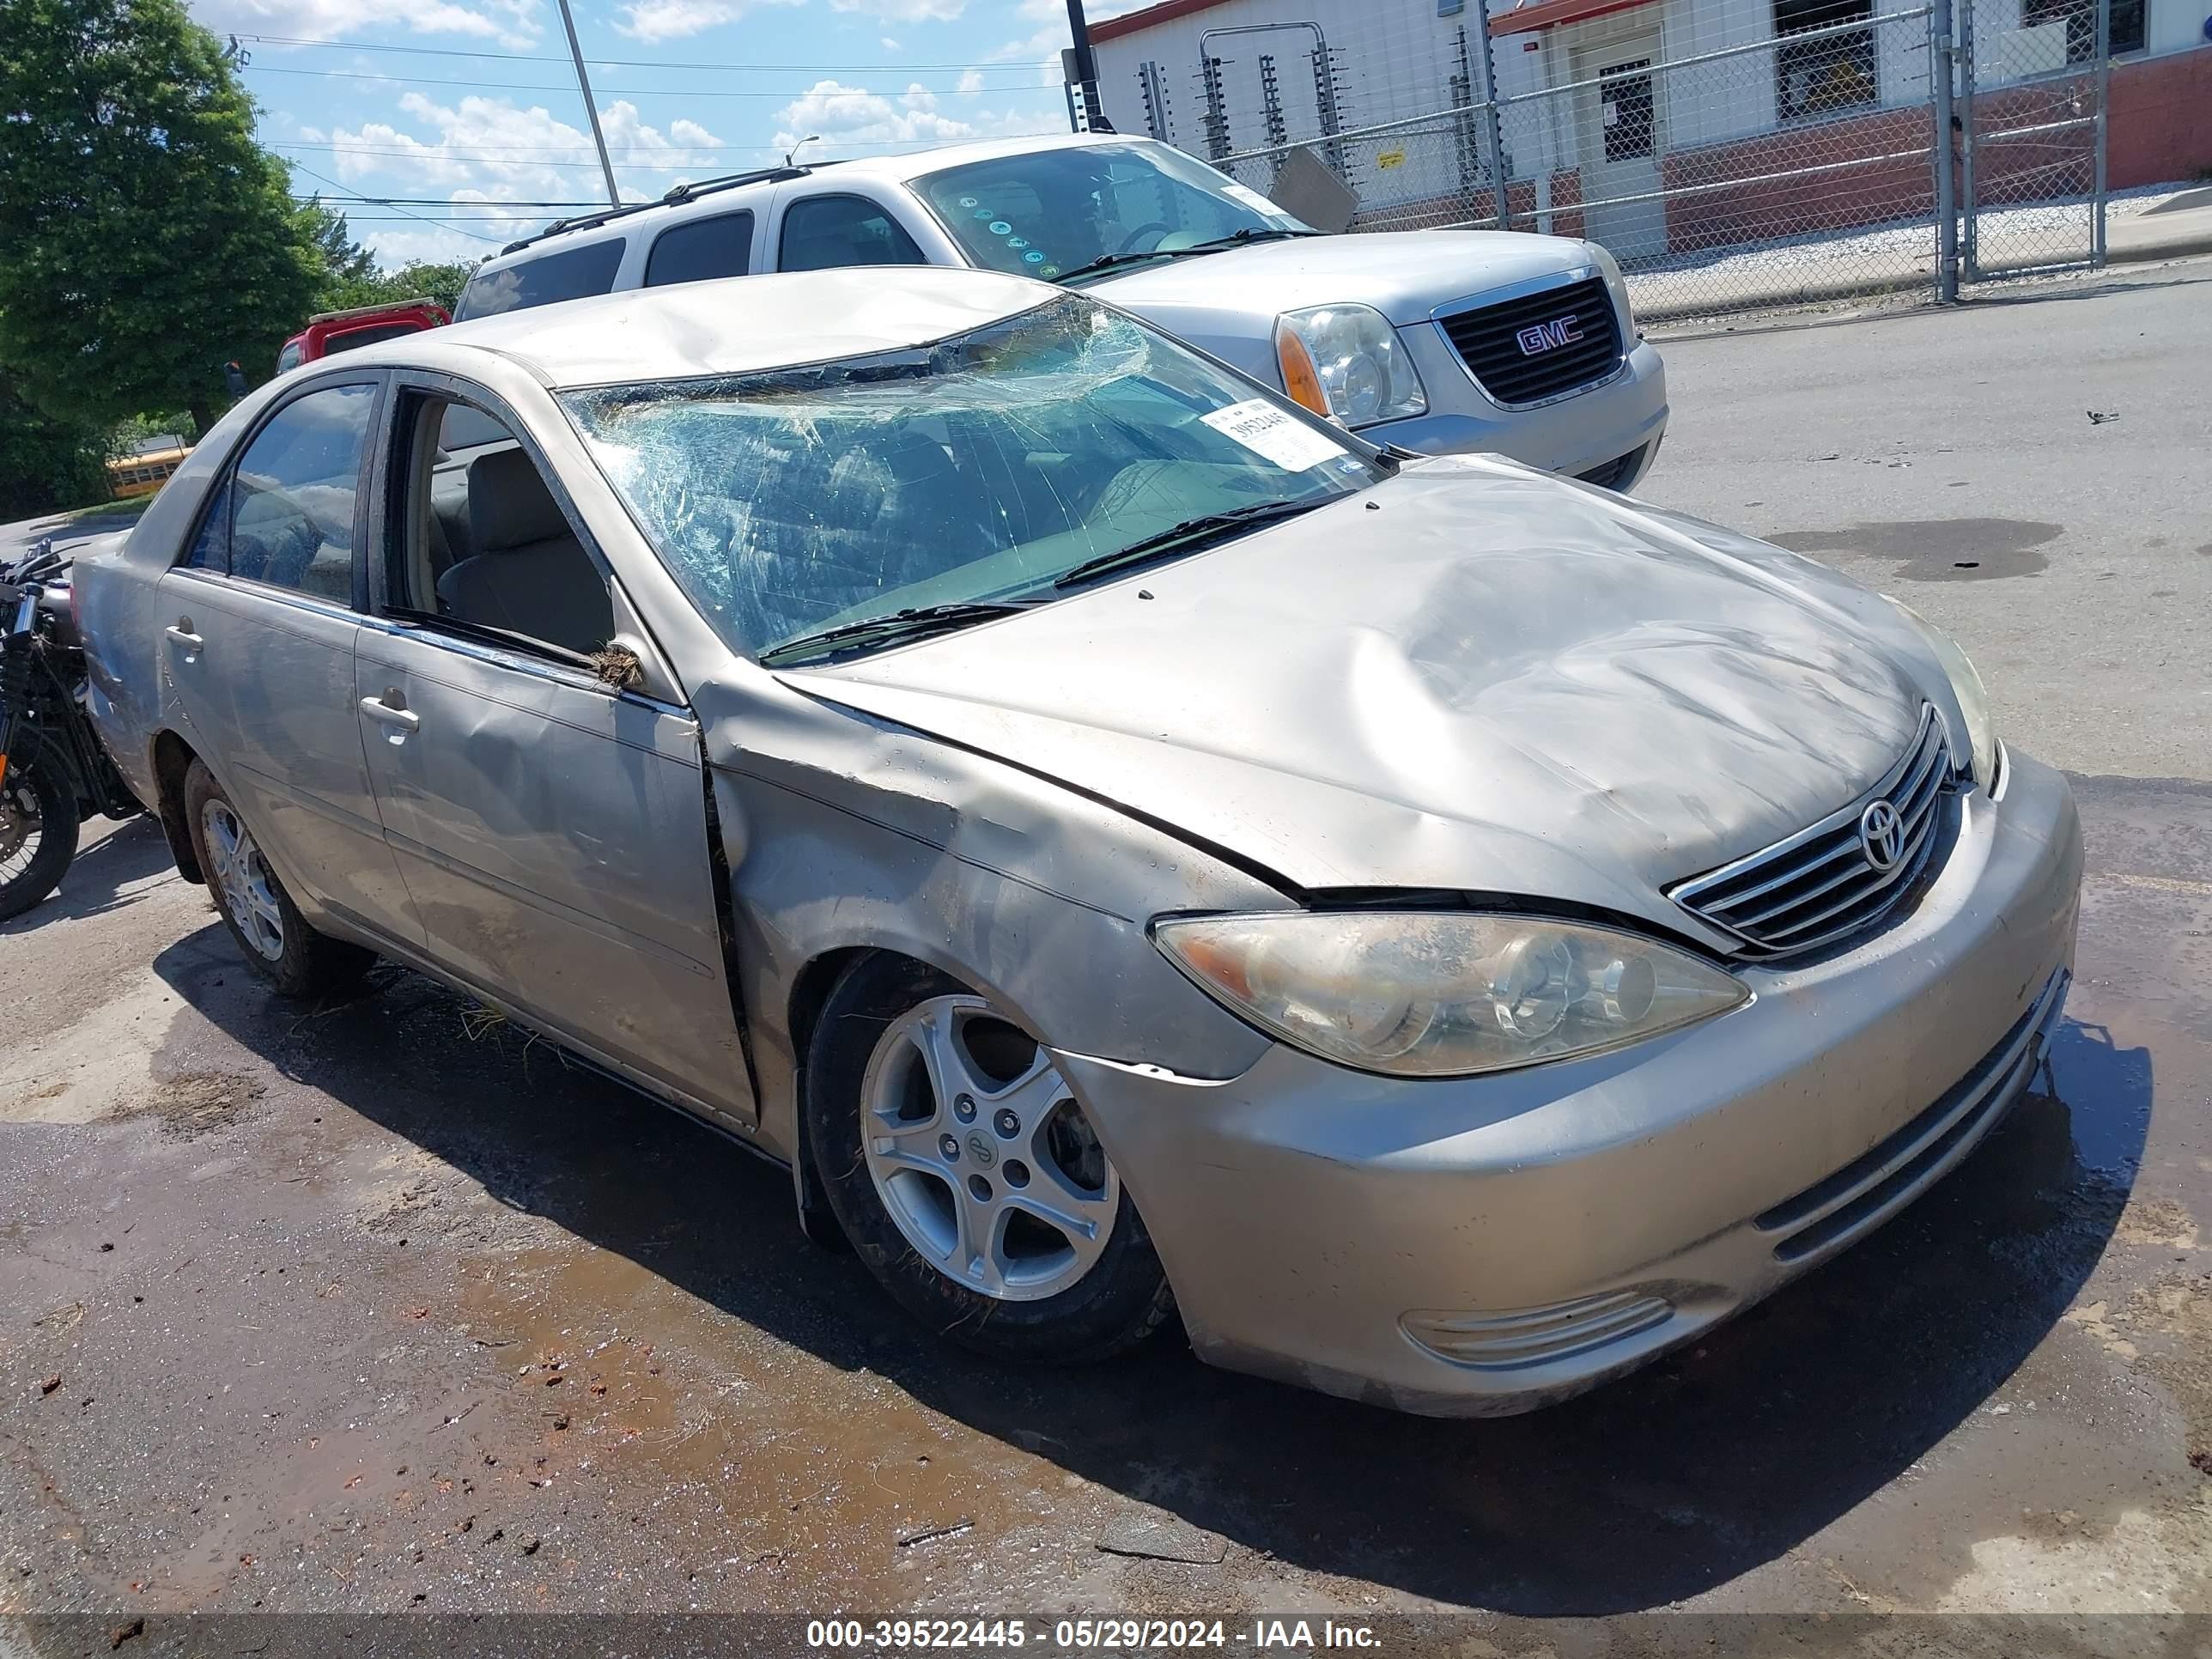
x: 38, y: 835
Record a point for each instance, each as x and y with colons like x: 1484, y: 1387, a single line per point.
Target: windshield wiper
x: 1238, y: 238
x: 1111, y: 262
x: 1184, y: 537
x: 913, y: 623
x: 1212, y: 244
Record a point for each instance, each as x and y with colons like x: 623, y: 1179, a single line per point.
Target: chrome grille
x: 1489, y: 341
x: 1820, y: 884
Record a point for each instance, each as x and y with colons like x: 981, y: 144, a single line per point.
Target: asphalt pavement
x: 371, y: 1307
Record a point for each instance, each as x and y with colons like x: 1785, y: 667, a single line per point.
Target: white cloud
x: 853, y: 120
x: 889, y: 45
x: 513, y: 23
x: 1044, y: 46
x: 672, y: 20
x: 904, y: 11
x: 971, y: 81
x: 486, y: 151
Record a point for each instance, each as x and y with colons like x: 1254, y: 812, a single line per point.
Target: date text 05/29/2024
x: 1111, y: 1635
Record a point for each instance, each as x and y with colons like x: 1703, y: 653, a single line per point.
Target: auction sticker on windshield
x: 1265, y: 430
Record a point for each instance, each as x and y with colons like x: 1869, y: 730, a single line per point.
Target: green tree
x: 418, y: 280
x: 45, y: 462
x: 145, y: 239
x: 345, y: 260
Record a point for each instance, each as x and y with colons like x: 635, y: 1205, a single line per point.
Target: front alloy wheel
x: 999, y: 1181
x: 967, y: 1175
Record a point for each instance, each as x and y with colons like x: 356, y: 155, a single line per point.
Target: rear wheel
x: 278, y: 942
x: 37, y: 832
x: 968, y: 1176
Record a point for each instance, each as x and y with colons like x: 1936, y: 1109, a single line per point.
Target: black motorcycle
x: 54, y: 772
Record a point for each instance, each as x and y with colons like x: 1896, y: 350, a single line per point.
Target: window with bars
x: 2080, y: 17
x: 1822, y: 68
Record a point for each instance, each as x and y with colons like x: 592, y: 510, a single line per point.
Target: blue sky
x: 467, y: 109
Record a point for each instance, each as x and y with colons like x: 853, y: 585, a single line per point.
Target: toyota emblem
x: 1881, y: 834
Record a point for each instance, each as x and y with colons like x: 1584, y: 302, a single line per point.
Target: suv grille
x: 1823, y: 882
x: 1540, y: 345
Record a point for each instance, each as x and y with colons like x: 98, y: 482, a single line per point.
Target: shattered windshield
x: 1047, y: 213
x: 977, y: 470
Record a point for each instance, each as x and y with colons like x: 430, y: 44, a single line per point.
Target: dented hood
x: 1472, y: 678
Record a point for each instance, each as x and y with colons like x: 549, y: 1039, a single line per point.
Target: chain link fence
x: 1800, y: 167
x: 2031, y: 150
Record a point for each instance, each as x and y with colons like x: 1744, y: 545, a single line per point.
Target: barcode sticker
x: 1266, y: 431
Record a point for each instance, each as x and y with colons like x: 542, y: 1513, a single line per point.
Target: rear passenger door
x: 258, y: 648
x: 551, y: 826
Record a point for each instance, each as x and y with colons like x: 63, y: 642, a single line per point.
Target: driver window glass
x: 284, y: 516
x: 824, y: 232
x: 488, y: 544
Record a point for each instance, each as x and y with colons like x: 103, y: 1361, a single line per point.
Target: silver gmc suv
x: 1443, y: 342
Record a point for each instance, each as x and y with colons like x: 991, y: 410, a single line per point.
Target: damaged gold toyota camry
x: 1128, y: 847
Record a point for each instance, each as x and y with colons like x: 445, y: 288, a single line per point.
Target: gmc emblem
x: 1540, y: 338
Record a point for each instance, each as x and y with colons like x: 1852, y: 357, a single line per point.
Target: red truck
x: 329, y: 332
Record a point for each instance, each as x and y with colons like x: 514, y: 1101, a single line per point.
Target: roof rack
x: 371, y: 311
x: 681, y: 193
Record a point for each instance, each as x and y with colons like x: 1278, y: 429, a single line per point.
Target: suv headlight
x: 1346, y: 363
x: 1443, y: 994
x: 1966, y: 686
x: 1617, y: 286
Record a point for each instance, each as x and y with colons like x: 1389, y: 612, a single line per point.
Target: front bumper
x: 1488, y: 1245
x: 1576, y: 433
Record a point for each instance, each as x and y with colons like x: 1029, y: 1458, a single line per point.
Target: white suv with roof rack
x: 1443, y: 342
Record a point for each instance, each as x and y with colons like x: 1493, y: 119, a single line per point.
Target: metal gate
x: 2032, y: 105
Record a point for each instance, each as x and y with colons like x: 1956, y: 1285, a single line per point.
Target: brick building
x: 1662, y: 126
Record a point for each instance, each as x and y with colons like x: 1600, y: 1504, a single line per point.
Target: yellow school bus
x: 145, y: 473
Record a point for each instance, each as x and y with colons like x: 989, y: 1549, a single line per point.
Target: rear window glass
x: 569, y: 275
x: 824, y: 232
x: 353, y: 339
x: 701, y: 249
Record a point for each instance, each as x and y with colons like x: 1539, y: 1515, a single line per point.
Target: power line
x: 629, y: 92
x: 522, y: 155
x: 1000, y: 66
x: 438, y: 224
x: 448, y: 200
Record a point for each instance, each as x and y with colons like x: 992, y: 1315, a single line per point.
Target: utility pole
x: 591, y: 109
x: 1086, y: 70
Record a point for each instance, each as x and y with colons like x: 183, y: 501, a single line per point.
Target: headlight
x: 1966, y: 686
x: 1617, y: 286
x: 1346, y: 363
x: 1440, y: 994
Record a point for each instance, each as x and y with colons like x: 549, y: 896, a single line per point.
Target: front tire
x: 967, y: 1177
x: 277, y: 940
x: 38, y: 831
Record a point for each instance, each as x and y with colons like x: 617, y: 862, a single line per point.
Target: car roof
x: 607, y: 226
x: 914, y: 163
x: 731, y: 325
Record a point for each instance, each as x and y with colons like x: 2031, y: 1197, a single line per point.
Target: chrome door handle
x: 377, y: 709
x: 182, y: 634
